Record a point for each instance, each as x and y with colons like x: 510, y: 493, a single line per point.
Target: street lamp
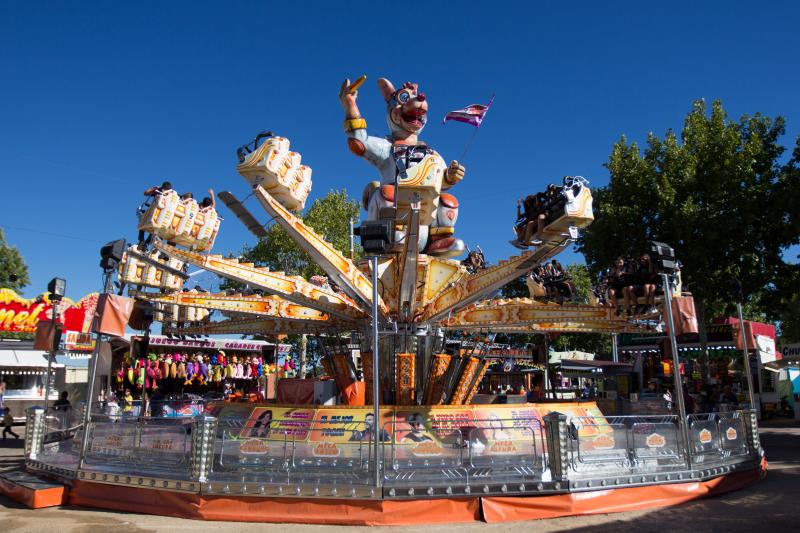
x: 664, y: 260
x: 376, y: 239
x: 110, y: 257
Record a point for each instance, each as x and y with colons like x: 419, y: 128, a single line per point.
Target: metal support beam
x: 615, y: 347
x: 676, y: 372
x: 377, y: 428
x: 746, y: 354
x: 87, y: 415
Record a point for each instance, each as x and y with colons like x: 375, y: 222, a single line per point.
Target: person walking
x: 8, y: 423
x: 62, y: 408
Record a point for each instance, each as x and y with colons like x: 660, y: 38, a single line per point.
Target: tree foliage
x: 719, y: 195
x: 329, y: 216
x: 13, y: 270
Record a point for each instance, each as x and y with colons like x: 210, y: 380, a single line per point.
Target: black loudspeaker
x: 663, y: 256
x: 376, y: 236
x: 141, y: 347
x: 142, y: 316
x: 111, y: 254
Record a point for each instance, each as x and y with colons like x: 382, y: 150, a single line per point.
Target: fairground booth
x: 192, y: 371
x: 707, y: 379
x: 24, y: 362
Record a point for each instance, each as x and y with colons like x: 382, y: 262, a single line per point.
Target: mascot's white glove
x: 454, y: 173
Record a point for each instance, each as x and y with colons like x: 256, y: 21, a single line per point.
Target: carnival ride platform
x: 315, y: 464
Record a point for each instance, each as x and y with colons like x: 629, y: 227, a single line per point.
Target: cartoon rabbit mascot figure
x: 396, y: 157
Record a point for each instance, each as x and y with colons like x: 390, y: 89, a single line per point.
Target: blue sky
x: 100, y: 101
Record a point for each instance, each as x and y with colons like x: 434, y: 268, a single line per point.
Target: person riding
x: 644, y: 278
x: 616, y: 284
x: 529, y: 212
x: 647, y: 271
x: 209, y: 202
x: 150, y: 194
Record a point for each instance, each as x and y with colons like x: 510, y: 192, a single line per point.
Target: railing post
x: 204, y: 431
x: 753, y: 440
x: 34, y: 432
x: 557, y: 446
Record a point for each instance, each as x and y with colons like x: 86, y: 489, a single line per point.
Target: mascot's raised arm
x: 406, y: 163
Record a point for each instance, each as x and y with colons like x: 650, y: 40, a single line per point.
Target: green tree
x: 719, y: 196
x: 329, y: 216
x: 13, y: 270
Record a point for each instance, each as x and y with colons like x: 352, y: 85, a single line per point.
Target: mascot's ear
x: 386, y: 88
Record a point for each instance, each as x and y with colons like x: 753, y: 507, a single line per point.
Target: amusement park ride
x: 422, y: 293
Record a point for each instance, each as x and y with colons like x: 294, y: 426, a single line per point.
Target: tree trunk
x: 303, y: 352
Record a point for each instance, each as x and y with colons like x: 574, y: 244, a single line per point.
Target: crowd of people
x: 630, y: 286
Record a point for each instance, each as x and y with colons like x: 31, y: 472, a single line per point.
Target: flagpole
x: 468, y: 145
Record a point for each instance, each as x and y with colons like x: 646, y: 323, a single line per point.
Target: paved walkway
x: 768, y: 506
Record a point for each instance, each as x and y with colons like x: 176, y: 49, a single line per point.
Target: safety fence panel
x: 496, y: 442
x: 596, y: 440
x: 656, y: 438
x: 62, y: 438
x: 732, y: 434
x: 289, y: 446
x: 704, y: 437
x: 425, y: 446
x: 162, y: 444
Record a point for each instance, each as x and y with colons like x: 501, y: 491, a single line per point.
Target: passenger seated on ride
x: 644, y: 284
x: 209, y: 202
x: 150, y: 194
x: 616, y: 282
x: 475, y: 260
x: 529, y: 212
x: 556, y: 281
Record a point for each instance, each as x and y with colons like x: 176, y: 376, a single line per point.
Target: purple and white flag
x: 472, y: 114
